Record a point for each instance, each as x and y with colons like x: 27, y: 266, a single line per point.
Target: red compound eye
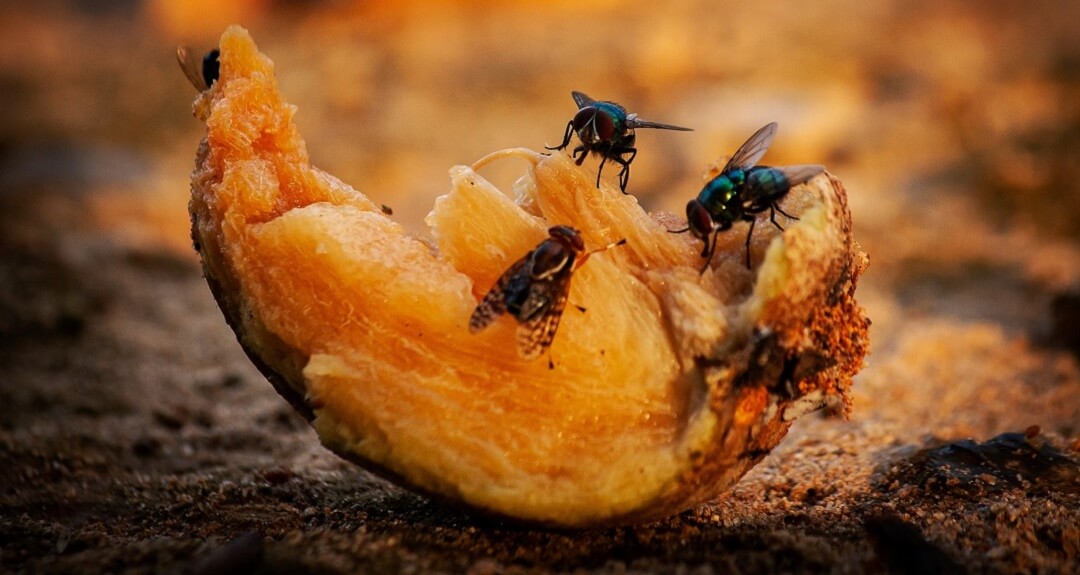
x: 583, y: 120
x: 594, y: 125
x: 698, y: 219
x: 568, y: 236
x: 605, y: 126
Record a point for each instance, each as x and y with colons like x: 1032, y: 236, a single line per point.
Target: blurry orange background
x: 954, y: 127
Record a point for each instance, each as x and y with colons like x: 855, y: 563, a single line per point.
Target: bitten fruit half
x: 664, y: 392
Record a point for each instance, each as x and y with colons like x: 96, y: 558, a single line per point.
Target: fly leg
x: 773, y: 208
x: 787, y: 215
x: 748, y: 234
x: 708, y: 250
x: 603, y: 159
x: 566, y: 137
x: 579, y: 150
x: 772, y: 217
x: 624, y: 174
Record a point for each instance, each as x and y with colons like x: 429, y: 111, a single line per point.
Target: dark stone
x: 902, y: 547
x: 1007, y: 461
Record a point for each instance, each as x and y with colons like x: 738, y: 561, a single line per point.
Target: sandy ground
x: 136, y: 437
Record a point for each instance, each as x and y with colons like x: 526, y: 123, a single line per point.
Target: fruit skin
x: 749, y: 351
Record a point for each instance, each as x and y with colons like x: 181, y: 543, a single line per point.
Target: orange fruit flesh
x: 374, y: 322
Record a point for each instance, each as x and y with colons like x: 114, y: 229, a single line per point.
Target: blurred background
x: 954, y: 126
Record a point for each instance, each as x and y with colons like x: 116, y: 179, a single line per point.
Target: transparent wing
x: 801, y: 173
x: 494, y: 303
x: 536, y: 334
x: 547, y: 299
x: 751, y: 152
x: 635, y: 122
x: 539, y: 296
x: 192, y: 67
x: 582, y: 99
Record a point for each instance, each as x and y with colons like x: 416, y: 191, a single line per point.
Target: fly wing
x: 751, y: 152
x: 494, y: 303
x: 547, y: 300
x: 635, y: 122
x: 192, y: 67
x: 582, y: 99
x: 801, y: 173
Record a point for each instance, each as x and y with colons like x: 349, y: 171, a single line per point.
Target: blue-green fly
x: 741, y: 191
x: 606, y: 129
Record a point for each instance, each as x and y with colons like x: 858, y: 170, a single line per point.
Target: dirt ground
x: 135, y: 436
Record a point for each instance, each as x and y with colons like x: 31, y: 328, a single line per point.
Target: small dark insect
x: 606, y: 129
x: 201, y: 74
x: 534, y: 290
x: 741, y: 191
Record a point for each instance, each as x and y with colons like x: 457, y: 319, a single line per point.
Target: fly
x: 534, y: 290
x: 605, y: 128
x: 741, y: 191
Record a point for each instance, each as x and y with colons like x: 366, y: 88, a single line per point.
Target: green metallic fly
x: 606, y: 129
x: 741, y: 191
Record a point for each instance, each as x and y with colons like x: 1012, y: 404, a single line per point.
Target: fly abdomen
x: 516, y: 293
x: 767, y: 184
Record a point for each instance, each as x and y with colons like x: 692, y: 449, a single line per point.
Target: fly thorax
x: 548, y: 259
x: 738, y: 179
x: 718, y: 193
